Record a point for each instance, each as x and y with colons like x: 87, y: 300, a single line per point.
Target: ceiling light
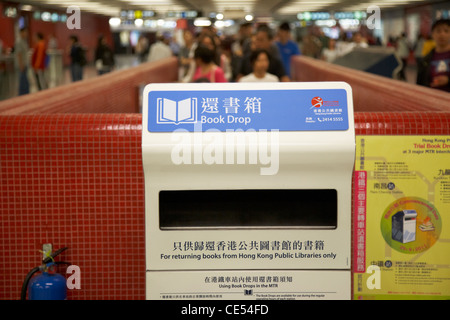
x: 26, y: 7
x: 202, y: 22
x: 249, y: 17
x: 114, y: 22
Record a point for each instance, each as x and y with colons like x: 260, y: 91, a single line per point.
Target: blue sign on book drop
x: 222, y: 110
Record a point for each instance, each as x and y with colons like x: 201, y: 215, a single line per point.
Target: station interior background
x: 124, y: 22
x: 71, y: 156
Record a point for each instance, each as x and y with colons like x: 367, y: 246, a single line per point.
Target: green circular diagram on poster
x: 411, y: 225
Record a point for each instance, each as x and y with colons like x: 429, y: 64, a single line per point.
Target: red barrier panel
x: 115, y: 92
x: 77, y: 180
x: 371, y: 92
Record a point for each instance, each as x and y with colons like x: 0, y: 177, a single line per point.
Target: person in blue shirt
x: 286, y: 46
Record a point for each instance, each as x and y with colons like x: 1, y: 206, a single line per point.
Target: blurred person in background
x: 263, y: 40
x: 359, y: 41
x: 160, y: 49
x: 186, y: 54
x: 403, y: 54
x: 225, y: 49
x: 190, y: 69
x: 428, y: 45
x: 260, y: 61
x: 39, y: 61
x: 240, y: 46
x: 206, y: 69
x: 142, y: 48
x: 104, y: 57
x: 311, y: 44
x: 21, y: 49
x: 434, y: 70
x: 330, y: 53
x: 220, y: 59
x: 343, y: 44
x: 418, y: 48
x: 78, y: 58
x: 173, y: 44
x: 286, y: 46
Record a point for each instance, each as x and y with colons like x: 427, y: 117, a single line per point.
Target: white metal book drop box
x: 248, y: 190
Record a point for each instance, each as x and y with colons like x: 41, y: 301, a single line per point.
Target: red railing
x: 77, y: 180
x: 116, y: 92
x: 372, y: 93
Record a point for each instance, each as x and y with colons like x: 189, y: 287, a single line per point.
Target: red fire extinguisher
x: 48, y: 285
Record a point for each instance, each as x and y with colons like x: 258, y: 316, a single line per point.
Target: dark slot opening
x: 248, y: 209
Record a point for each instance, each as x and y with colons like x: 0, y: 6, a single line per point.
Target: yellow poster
x: 401, y: 217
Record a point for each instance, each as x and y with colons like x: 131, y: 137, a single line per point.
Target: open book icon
x: 176, y: 112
